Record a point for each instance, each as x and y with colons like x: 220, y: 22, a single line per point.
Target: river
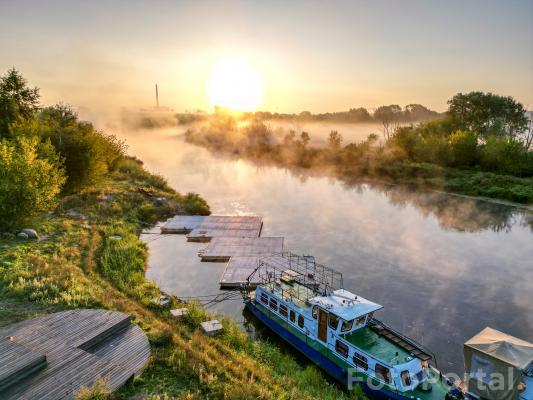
x: 443, y: 266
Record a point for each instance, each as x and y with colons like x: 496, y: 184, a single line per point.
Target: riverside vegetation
x: 89, y: 202
x: 482, y: 146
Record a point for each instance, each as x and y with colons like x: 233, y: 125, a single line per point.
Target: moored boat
x: 305, y: 303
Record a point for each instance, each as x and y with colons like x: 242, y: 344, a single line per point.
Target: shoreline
x: 91, y: 256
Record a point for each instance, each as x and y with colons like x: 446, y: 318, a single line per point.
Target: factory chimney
x: 156, y: 97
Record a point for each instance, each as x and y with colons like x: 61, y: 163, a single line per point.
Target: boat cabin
x: 343, y: 327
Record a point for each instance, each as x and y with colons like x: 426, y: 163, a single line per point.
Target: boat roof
x: 345, y: 304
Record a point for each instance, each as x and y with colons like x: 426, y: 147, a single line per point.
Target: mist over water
x: 443, y: 266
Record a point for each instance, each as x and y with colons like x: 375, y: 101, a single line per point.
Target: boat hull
x: 332, y: 369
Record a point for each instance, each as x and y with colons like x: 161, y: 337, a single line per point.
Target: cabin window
x: 300, y: 321
x: 346, y: 325
x: 360, y: 320
x: 264, y: 298
x: 341, y: 348
x: 421, y: 375
x: 406, y: 378
x: 292, y: 316
x: 273, y: 304
x: 315, y: 312
x: 370, y: 316
x: 333, y: 321
x: 383, y: 373
x: 283, y: 310
x: 360, y: 360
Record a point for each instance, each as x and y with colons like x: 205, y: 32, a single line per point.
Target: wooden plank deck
x: 221, y: 249
x: 182, y: 224
x: 79, y: 345
x: 226, y: 226
x: 202, y: 228
x: 17, y: 362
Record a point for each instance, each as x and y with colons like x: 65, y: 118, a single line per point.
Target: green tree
x: 17, y: 100
x: 465, y: 151
x: 506, y: 155
x: 87, y: 153
x: 488, y: 114
x: 30, y: 180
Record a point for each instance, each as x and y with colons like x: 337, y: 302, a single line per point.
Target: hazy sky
x: 312, y: 55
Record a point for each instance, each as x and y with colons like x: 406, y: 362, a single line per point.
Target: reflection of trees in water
x: 456, y: 213
x: 453, y: 212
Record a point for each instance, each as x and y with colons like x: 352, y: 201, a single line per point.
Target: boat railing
x: 407, y: 343
x: 312, y: 278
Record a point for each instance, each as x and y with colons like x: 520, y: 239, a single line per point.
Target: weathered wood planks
x: 79, y: 345
x: 223, y: 248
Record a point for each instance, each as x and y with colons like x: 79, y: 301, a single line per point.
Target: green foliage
x: 123, y: 257
x: 87, y: 153
x: 440, y: 127
x: 30, y: 180
x: 487, y: 184
x: 506, y: 155
x: 98, y: 391
x: 134, y: 170
x: 407, y: 139
x: 488, y: 114
x: 195, y: 204
x: 464, y: 147
x: 17, y: 100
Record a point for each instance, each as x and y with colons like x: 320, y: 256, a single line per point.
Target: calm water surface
x: 444, y: 267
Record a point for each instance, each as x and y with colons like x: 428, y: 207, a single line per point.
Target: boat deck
x: 378, y: 346
x: 294, y: 292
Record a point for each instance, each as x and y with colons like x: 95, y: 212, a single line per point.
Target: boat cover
x: 494, y: 362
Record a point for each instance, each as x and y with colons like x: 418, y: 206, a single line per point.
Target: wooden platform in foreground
x: 223, y: 248
x: 79, y: 346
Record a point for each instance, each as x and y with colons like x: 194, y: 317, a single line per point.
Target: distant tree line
x: 392, y: 113
x: 44, y: 152
x: 480, y: 135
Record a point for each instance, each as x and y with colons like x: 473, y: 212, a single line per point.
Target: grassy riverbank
x: 90, y: 256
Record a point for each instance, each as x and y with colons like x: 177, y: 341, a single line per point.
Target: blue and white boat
x: 305, y: 303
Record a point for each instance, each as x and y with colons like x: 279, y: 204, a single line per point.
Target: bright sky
x: 310, y: 55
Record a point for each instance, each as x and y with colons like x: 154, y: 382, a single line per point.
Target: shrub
x: 195, y: 204
x: 433, y: 149
x: 464, y: 146
x: 87, y: 153
x: 505, y: 155
x: 30, y: 180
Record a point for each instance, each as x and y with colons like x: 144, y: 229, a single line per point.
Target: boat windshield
x: 346, y: 326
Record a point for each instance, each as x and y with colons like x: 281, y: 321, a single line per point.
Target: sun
x: 234, y: 85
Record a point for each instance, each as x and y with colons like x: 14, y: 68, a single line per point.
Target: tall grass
x: 94, y: 258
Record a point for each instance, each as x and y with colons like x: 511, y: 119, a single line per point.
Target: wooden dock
x: 225, y: 226
x: 239, y: 269
x: 221, y: 249
x: 203, y: 229
x: 237, y: 272
x: 182, y: 224
x: 58, y: 353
